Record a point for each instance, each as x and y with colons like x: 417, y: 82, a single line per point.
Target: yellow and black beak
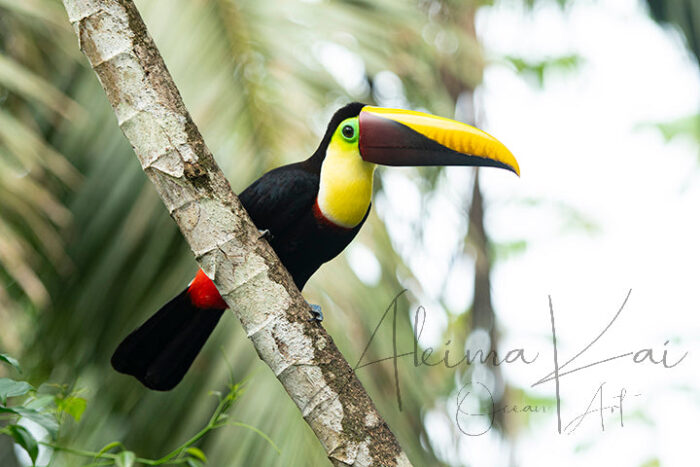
x: 407, y: 138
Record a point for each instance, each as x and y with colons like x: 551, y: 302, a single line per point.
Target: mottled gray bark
x: 225, y: 242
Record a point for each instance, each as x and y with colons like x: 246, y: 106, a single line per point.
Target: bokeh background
x: 599, y: 101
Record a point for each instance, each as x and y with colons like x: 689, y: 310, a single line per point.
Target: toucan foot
x: 316, y: 314
x: 266, y: 234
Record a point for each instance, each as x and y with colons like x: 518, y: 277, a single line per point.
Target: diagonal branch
x: 225, y: 242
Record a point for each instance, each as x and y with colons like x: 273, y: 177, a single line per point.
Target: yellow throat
x: 345, y: 189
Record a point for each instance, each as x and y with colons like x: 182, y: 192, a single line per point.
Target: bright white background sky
x: 581, y: 142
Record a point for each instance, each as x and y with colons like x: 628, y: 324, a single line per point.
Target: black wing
x: 280, y: 197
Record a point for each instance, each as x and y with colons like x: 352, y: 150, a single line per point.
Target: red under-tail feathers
x: 161, y: 350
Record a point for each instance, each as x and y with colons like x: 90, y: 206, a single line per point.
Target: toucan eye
x: 348, y: 131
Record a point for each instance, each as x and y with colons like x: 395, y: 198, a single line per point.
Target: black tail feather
x: 161, y: 350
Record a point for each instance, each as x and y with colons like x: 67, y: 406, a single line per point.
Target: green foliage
x: 12, y: 416
x: 12, y: 388
x: 506, y: 250
x: 71, y: 405
x: 684, y: 127
x: 46, y: 420
x: 125, y: 459
x: 196, y: 453
x: 537, y: 70
x: 25, y: 439
x: 31, y: 171
x: 10, y: 361
x: 46, y: 410
x: 654, y: 462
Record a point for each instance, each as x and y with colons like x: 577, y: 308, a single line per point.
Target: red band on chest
x: 323, y: 220
x: 203, y: 293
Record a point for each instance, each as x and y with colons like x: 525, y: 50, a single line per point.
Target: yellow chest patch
x: 345, y: 189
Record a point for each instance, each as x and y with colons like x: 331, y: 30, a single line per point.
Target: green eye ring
x: 348, y: 130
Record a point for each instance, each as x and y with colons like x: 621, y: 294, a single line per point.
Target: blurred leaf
x: 22, y: 81
x: 46, y: 421
x: 43, y: 10
x: 27, y: 145
x: 196, y: 452
x: 507, y: 250
x: 24, y: 438
x: 125, y: 459
x: 682, y: 127
x: 10, y: 361
x: 39, y: 403
x: 536, y: 70
x: 73, y: 406
x: 12, y: 388
x: 16, y: 256
x: 655, y: 462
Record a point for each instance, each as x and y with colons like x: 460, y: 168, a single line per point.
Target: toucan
x: 309, y: 211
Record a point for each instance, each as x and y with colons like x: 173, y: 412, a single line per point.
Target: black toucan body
x: 312, y: 211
